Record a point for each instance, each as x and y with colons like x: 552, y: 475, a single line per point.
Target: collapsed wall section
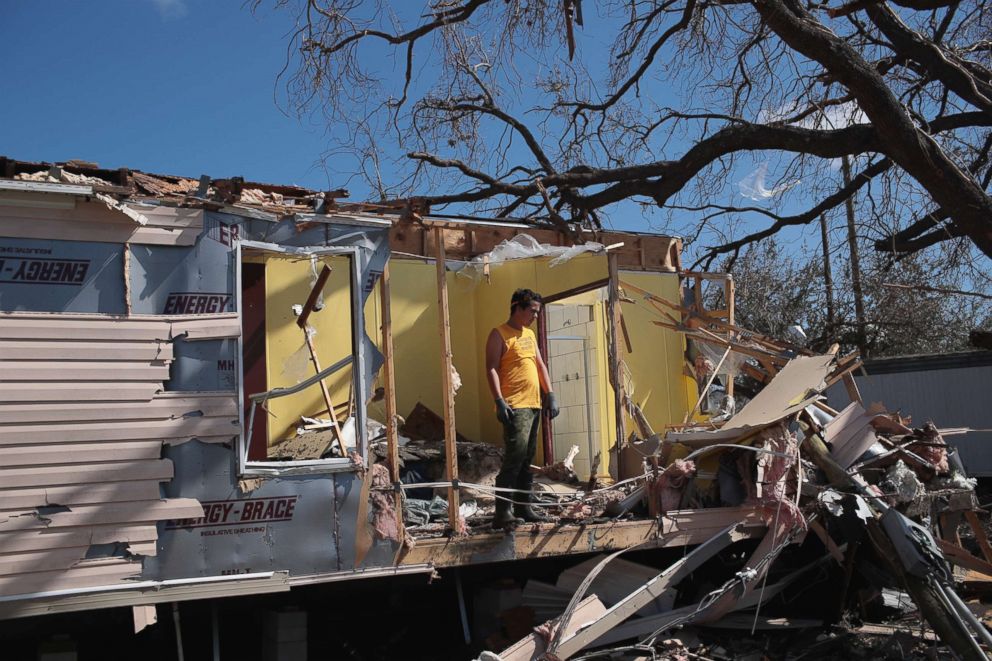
x: 83, y: 420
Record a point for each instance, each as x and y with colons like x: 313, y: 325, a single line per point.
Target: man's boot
x: 527, y: 511
x: 504, y: 519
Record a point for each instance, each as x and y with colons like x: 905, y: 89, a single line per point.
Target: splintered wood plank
x: 450, y: 451
x: 549, y: 540
x: 389, y: 378
x: 980, y: 535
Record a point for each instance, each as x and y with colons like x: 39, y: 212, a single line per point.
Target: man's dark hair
x: 522, y: 298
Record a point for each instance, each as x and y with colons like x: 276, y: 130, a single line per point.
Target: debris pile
x: 885, y: 573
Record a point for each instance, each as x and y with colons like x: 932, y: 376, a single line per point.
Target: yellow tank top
x: 517, y: 370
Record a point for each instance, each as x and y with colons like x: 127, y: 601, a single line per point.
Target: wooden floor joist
x: 681, y: 528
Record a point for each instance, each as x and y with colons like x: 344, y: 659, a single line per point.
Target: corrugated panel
x: 84, y: 574
x: 952, y: 397
x: 104, y: 513
x: 32, y: 540
x: 88, y: 494
x: 164, y: 405
x: 78, y: 453
x: 121, y: 471
x: 95, y: 221
x: 77, y: 370
x: 15, y: 326
x: 63, y: 350
x: 119, y: 431
x: 213, y: 328
x: 128, y: 391
x: 83, y: 422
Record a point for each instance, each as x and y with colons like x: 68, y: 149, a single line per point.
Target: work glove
x: 551, y: 405
x: 503, y: 411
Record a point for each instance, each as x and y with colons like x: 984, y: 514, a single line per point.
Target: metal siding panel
x: 88, y: 494
x: 118, y: 431
x: 64, y: 327
x: 121, y: 471
x: 78, y: 370
x: 78, y: 391
x: 80, y: 576
x: 35, y: 540
x: 77, y: 453
x: 35, y: 275
x: 949, y: 397
x: 105, y: 513
x: 303, y: 543
x: 68, y: 350
x: 162, y: 406
x: 204, y: 365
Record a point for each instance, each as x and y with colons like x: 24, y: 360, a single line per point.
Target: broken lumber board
x: 448, y: 394
x: 546, y: 540
x: 532, y: 647
x: 850, y: 434
x: 647, y: 593
x: 960, y: 557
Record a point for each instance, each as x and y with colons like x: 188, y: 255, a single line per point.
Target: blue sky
x: 184, y: 87
x: 175, y: 86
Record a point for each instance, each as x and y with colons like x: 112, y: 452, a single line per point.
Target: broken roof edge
x: 227, y: 194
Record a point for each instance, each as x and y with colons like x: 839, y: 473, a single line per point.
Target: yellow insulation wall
x: 288, y: 281
x: 476, y: 306
x: 656, y: 365
x: 493, y: 308
x: 417, y: 340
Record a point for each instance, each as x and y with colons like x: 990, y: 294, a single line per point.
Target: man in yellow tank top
x: 517, y: 376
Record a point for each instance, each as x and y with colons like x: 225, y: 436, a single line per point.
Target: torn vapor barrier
x: 524, y: 246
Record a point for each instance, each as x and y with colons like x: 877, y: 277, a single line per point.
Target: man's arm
x: 542, y: 374
x: 494, y: 353
x: 550, y: 401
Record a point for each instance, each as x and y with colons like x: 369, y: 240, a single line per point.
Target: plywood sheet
x: 793, y: 389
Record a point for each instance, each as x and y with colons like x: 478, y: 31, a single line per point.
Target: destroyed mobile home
x: 215, y: 388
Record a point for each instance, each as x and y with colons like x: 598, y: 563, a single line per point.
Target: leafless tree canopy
x: 659, y: 103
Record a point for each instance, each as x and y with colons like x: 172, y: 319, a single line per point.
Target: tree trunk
x: 852, y: 241
x: 828, y: 281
